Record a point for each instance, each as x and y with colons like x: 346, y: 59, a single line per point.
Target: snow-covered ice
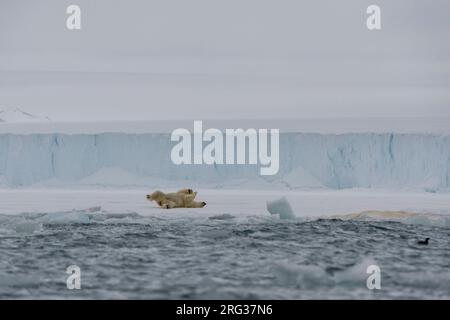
x: 305, y: 204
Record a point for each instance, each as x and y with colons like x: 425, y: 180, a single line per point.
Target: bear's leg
x: 196, y: 204
x: 168, y: 204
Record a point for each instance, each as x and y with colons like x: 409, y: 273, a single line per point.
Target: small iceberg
x: 281, y: 207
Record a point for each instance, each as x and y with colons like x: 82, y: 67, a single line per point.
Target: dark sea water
x: 134, y: 257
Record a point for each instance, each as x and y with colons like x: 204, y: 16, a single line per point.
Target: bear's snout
x: 203, y: 204
x: 149, y: 196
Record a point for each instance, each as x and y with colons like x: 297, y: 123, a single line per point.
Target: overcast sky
x: 165, y: 59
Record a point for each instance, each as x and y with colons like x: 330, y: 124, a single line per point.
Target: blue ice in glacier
x: 307, y: 160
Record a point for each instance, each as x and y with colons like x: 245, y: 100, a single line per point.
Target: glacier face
x: 353, y: 160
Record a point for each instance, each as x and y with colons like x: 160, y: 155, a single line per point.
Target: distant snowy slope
x: 18, y: 115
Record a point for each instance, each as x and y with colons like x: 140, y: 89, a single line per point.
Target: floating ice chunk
x: 17, y: 224
x: 68, y: 217
x: 65, y: 218
x: 104, y: 216
x: 280, y: 207
x: 27, y: 227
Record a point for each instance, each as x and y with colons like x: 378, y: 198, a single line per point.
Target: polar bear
x: 184, y: 198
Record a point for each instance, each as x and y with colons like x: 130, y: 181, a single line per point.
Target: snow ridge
x: 18, y: 115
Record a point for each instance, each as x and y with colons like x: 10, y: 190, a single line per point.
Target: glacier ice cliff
x: 337, y: 161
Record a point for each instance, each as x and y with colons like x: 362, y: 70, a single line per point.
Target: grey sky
x: 225, y: 58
